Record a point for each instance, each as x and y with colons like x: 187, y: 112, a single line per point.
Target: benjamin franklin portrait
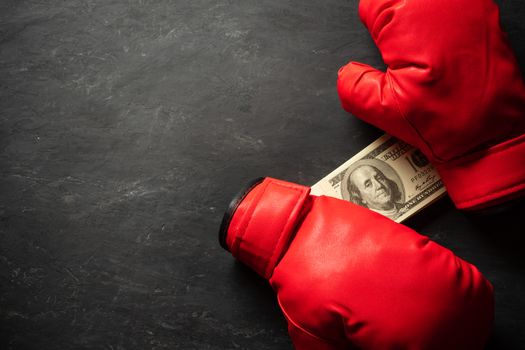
x: 373, y: 184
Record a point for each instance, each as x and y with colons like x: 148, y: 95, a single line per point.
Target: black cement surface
x: 127, y: 126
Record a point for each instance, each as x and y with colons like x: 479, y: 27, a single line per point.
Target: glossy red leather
x: 347, y: 277
x: 452, y: 88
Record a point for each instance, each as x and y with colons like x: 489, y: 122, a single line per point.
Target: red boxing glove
x: 347, y: 277
x: 452, y: 88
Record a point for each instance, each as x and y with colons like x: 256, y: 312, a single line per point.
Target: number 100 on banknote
x: 389, y: 177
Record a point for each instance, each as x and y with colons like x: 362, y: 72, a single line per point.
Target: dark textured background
x: 127, y: 126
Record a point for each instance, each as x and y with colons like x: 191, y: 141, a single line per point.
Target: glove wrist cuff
x: 486, y: 178
x: 259, y: 225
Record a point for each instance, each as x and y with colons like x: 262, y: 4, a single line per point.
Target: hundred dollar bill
x: 389, y: 177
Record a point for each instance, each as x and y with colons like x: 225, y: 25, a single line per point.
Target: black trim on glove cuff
x: 232, y: 208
